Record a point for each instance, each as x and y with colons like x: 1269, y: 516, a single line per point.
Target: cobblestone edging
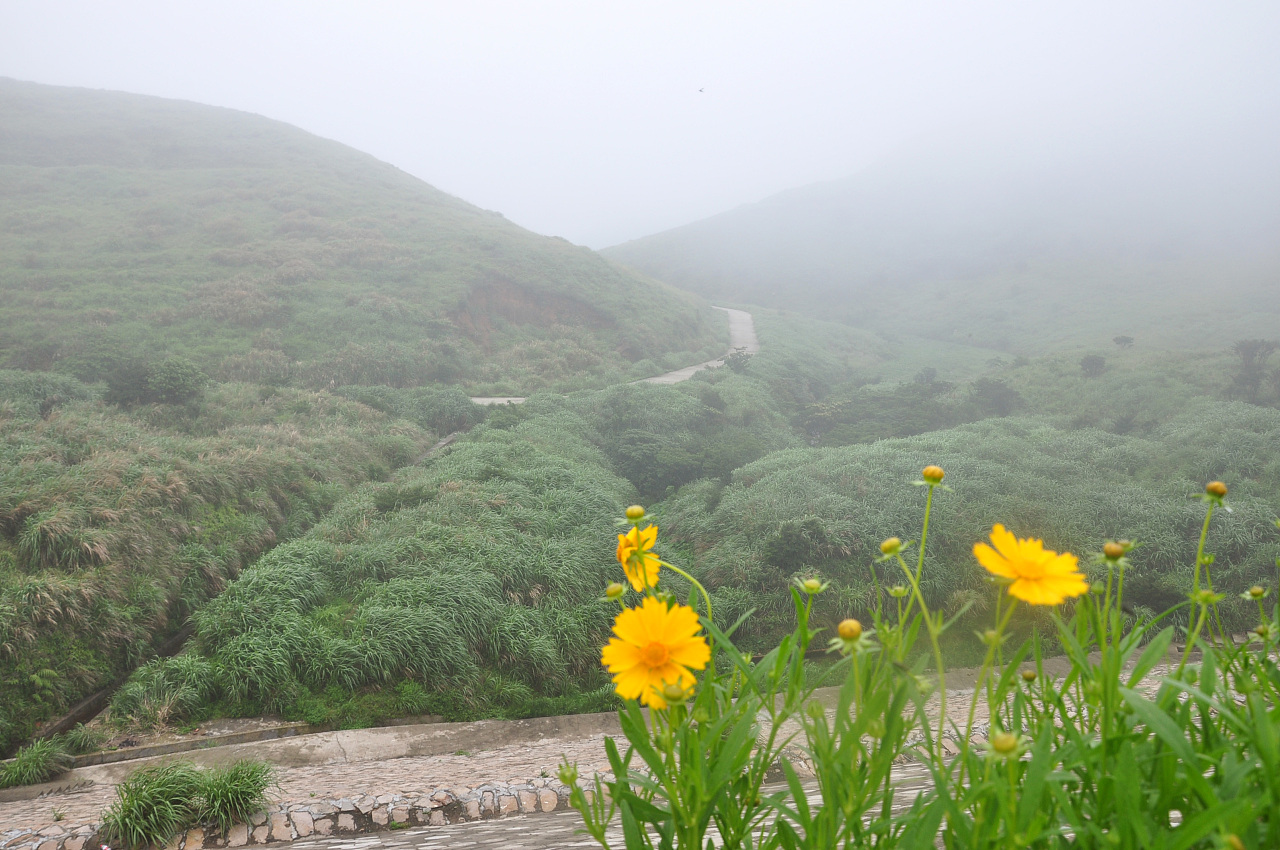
x: 344, y: 816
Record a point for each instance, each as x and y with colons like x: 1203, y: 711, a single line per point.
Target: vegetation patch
x: 156, y: 803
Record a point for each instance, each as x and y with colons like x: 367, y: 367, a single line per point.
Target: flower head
x: 891, y: 546
x: 1114, y: 550
x: 653, y: 646
x: 932, y: 474
x: 1216, y: 488
x: 851, y: 638
x: 1005, y: 745
x: 640, y: 565
x: 1038, y: 575
x: 811, y: 586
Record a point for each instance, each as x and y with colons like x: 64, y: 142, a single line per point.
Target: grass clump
x: 37, y: 762
x: 84, y: 739
x: 229, y: 795
x: 156, y: 803
x: 153, y: 805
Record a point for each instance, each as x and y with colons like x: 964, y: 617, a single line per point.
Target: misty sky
x: 605, y: 120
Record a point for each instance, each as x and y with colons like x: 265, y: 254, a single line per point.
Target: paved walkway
x: 742, y: 337
x: 557, y: 829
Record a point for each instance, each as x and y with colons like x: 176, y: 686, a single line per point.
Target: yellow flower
x: 640, y: 565
x: 653, y: 646
x: 1040, y: 576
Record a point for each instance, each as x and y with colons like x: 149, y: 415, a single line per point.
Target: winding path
x: 742, y: 337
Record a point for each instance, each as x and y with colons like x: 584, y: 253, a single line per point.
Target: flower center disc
x: 1029, y: 568
x: 655, y: 654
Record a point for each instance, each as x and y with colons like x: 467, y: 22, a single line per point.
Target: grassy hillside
x: 114, y: 528
x: 824, y: 511
x: 408, y: 596
x: 135, y: 227
x: 1021, y: 246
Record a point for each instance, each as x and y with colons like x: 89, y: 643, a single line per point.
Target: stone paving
x: 368, y: 791
x: 426, y: 789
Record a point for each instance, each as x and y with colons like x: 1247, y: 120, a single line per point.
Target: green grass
x: 156, y: 803
x: 232, y: 794
x: 37, y: 762
x: 115, y: 527
x: 825, y: 511
x: 137, y: 228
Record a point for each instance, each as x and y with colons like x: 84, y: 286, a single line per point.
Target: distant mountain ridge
x: 994, y: 222
x: 135, y: 226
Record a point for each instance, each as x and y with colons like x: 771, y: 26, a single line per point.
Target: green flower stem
x: 984, y: 674
x: 932, y: 627
x: 1195, y: 589
x: 924, y: 531
x: 705, y: 597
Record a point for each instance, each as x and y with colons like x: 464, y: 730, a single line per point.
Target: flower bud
x: 898, y: 591
x: 673, y: 694
x: 1004, y: 743
x: 990, y: 637
x: 1028, y: 676
x: 892, y: 546
x: 932, y: 474
x: 635, y: 513
x: 1257, y: 592
x: 1206, y: 597
x: 812, y: 586
x: 615, y: 590
x: 849, y: 629
x: 1216, y: 488
x: 1234, y: 842
x: 569, y: 774
x: 1113, y: 551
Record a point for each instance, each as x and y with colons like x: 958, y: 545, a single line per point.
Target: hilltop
x: 1048, y: 240
x: 137, y: 227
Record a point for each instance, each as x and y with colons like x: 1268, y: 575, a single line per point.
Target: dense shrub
x: 827, y: 510
x: 115, y: 527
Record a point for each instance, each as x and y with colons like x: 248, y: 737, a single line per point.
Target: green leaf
x: 922, y: 833
x: 1168, y: 732
x: 1033, y: 780
x: 1151, y: 656
x: 1203, y: 823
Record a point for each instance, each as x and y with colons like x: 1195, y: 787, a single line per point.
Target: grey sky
x: 604, y: 120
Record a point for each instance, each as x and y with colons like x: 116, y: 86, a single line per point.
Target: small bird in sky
x: 701, y: 90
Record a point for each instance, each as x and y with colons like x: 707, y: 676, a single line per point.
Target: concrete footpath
x: 385, y: 780
x: 350, y: 781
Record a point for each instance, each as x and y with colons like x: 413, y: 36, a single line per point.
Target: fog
x: 604, y: 122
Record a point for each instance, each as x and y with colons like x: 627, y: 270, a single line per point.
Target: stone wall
x: 345, y: 816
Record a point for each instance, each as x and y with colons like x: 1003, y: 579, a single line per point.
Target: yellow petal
x: 993, y: 561
x: 1004, y: 541
x: 695, y: 654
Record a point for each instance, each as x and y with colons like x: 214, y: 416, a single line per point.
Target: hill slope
x: 1050, y: 240
x: 136, y: 227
